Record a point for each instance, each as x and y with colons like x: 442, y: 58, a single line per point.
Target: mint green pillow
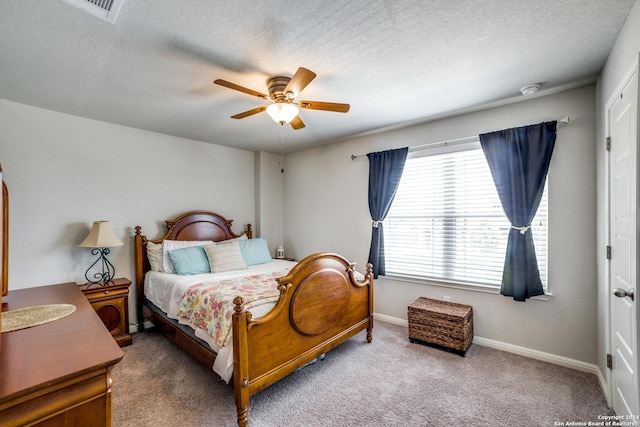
x: 255, y: 251
x: 189, y: 261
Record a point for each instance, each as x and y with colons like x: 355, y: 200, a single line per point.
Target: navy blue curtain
x: 385, y: 170
x: 519, y: 160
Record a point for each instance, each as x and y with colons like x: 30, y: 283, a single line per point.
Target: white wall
x: 63, y: 172
x: 326, y: 210
x: 269, y: 199
x: 624, y: 53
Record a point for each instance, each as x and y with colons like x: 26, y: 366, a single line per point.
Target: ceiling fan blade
x: 250, y: 112
x: 327, y: 106
x: 297, y: 123
x: 240, y: 88
x: 299, y: 81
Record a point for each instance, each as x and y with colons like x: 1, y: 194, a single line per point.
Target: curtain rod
x: 562, y: 121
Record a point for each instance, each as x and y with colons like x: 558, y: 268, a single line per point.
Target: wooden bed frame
x: 321, y: 305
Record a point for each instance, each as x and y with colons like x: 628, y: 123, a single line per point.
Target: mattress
x: 165, y: 290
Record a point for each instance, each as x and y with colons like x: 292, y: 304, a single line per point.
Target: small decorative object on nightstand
x: 101, y: 238
x: 111, y: 302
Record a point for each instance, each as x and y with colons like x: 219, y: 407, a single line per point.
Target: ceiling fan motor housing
x: 277, y: 86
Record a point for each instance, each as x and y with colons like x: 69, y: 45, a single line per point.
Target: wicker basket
x: 441, y: 323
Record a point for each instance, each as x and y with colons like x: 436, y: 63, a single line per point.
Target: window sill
x: 459, y: 285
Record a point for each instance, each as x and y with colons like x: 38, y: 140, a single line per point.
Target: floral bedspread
x: 209, y: 306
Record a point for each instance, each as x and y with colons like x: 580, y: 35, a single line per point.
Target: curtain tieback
x: 375, y: 224
x: 523, y: 229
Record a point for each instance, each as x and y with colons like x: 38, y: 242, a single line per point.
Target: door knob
x: 621, y: 293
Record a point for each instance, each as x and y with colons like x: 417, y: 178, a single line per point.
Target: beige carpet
x: 389, y: 382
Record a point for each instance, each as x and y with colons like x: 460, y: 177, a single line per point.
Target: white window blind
x: 446, y: 222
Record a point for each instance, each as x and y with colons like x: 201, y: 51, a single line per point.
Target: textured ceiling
x: 395, y: 62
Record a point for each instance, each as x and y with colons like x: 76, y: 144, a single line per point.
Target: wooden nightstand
x: 111, y: 302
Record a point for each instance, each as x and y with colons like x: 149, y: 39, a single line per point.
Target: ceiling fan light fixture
x: 282, y: 112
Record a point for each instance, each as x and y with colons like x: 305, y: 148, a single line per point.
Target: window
x: 446, y: 222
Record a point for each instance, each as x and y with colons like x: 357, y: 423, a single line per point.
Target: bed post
x: 139, y: 257
x: 240, y: 361
x: 369, y: 278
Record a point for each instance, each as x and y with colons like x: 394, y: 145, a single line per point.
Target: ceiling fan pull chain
x: 281, y: 150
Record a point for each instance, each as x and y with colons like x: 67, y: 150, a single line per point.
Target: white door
x: 622, y: 117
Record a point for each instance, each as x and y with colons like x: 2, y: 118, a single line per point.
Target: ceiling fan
x: 283, y: 92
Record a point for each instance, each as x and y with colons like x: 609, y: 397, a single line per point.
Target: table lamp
x: 101, y: 238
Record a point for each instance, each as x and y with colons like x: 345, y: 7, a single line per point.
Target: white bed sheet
x: 165, y: 290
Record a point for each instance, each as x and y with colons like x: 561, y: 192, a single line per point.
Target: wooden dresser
x: 59, y: 373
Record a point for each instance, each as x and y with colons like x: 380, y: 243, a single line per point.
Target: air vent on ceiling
x: 104, y: 9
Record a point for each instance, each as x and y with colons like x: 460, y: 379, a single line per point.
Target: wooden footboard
x: 321, y: 306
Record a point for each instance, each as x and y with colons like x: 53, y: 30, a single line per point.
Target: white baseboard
x: 390, y: 319
x: 133, y: 328
x: 538, y: 355
x: 521, y: 351
x: 603, y: 385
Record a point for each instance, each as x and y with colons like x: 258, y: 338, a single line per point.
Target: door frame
x: 633, y: 69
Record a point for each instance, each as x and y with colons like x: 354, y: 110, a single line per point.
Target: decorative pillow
x: 225, y: 257
x: 191, y: 260
x: 255, y: 251
x: 154, y: 255
x: 169, y: 245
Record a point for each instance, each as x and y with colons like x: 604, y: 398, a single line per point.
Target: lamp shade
x: 101, y: 236
x: 282, y: 112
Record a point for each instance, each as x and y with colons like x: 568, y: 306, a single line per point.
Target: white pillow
x: 154, y: 255
x: 225, y: 257
x: 243, y: 236
x: 169, y: 245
